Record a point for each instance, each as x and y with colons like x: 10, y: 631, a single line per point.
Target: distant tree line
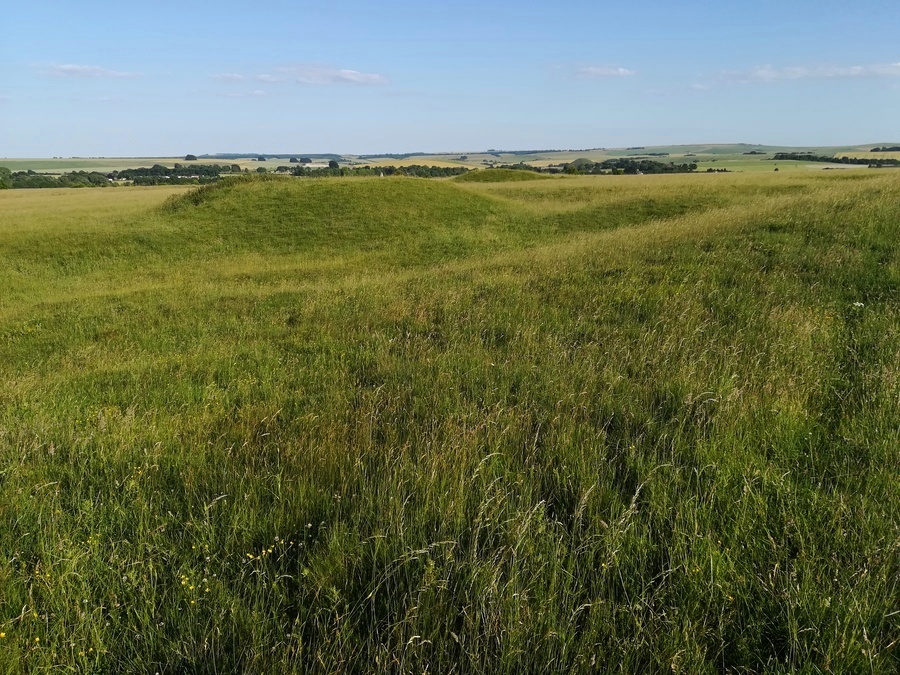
x: 155, y: 175
x: 622, y: 165
x: 195, y: 174
x: 809, y: 157
x: 205, y: 173
x: 32, y: 180
x: 521, y: 166
x: 256, y: 155
x: 416, y: 170
x: 893, y: 148
x: 516, y: 153
x: 627, y: 166
x: 405, y: 155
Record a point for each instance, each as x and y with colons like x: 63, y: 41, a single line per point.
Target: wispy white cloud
x: 229, y: 77
x: 307, y: 73
x: 769, y: 73
x: 699, y: 87
x: 592, y: 72
x: 316, y: 73
x: 245, y: 94
x: 72, y: 70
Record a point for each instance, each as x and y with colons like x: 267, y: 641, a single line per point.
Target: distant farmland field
x: 733, y: 157
x: 101, y: 164
x: 630, y: 424
x: 873, y: 156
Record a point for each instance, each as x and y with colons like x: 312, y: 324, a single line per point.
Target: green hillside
x: 499, y: 176
x: 600, y: 423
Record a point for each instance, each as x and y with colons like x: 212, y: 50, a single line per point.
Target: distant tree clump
x: 305, y: 160
x: 294, y: 160
x: 260, y: 159
x: 415, y: 170
x: 626, y: 166
x: 333, y: 164
x: 190, y: 158
x: 158, y: 174
x: 809, y: 157
x: 521, y: 166
x: 261, y: 169
x: 32, y: 180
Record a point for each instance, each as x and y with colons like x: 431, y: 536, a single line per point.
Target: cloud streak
x: 308, y: 74
x: 769, y: 73
x: 598, y: 72
x: 72, y: 70
x: 229, y: 77
x: 319, y: 74
x: 256, y: 93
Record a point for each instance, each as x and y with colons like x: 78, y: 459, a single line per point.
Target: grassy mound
x: 291, y: 215
x: 499, y: 176
x: 407, y: 426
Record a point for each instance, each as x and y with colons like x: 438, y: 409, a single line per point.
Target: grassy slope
x: 638, y: 424
x: 499, y: 176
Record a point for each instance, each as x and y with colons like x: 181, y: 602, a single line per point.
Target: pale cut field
x: 763, y: 165
x: 442, y: 161
x: 869, y: 155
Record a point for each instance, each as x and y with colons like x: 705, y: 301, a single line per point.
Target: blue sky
x: 169, y: 78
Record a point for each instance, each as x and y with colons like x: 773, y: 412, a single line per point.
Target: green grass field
x: 500, y: 176
x: 101, y: 164
x: 580, y: 424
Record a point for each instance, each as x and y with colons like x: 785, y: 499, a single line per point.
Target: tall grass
x: 627, y: 424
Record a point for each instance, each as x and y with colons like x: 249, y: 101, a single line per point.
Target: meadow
x: 571, y: 424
